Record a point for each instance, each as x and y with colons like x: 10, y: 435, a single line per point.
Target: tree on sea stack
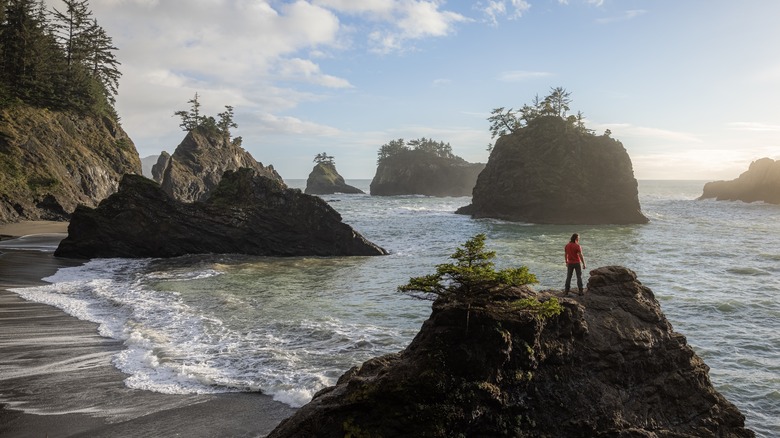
x: 324, y: 158
x: 473, y: 278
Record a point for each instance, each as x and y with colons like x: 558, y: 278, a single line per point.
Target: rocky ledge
x: 245, y: 214
x: 761, y: 182
x: 325, y: 180
x: 609, y: 364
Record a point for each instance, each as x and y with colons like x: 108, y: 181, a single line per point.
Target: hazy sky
x: 691, y: 87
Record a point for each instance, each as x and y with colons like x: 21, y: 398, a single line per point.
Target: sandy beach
x: 56, y: 376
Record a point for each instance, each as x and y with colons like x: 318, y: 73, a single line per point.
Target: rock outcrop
x: 245, y: 214
x: 415, y: 172
x: 761, y: 182
x: 197, y: 164
x: 550, y: 172
x: 609, y: 365
x: 325, y: 180
x: 51, y: 161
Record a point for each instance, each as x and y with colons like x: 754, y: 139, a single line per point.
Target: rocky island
x: 423, y: 167
x: 550, y: 169
x: 607, y: 364
x: 246, y: 213
x: 324, y: 179
x: 761, y: 182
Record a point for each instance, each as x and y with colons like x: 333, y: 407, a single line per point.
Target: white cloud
x: 493, y: 10
x: 306, y: 70
x: 627, y: 130
x: 625, y: 16
x: 522, y: 75
x: 754, y: 126
x: 267, y: 122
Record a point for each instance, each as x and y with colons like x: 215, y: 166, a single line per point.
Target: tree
x: 100, y: 59
x: 391, y: 148
x: 323, y: 158
x: 190, y: 119
x: 226, y: 121
x: 557, y: 102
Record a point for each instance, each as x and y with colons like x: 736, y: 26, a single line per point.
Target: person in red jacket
x: 574, y: 257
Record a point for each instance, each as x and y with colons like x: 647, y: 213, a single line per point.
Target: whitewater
x: 289, y: 327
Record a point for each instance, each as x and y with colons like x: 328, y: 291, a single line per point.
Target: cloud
x: 493, y: 10
x: 440, y: 82
x: 628, y: 130
x: 522, y: 75
x: 308, y: 71
x: 625, y: 16
x: 270, y: 123
x: 753, y: 126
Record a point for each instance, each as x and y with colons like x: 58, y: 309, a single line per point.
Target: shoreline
x: 57, y: 379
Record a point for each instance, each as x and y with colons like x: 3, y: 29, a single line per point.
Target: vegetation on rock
x: 193, y: 119
x: 435, y: 148
x: 324, y: 158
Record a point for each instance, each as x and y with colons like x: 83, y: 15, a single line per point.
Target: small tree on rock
x: 324, y: 158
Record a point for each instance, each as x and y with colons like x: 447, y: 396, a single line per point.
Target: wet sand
x: 56, y: 377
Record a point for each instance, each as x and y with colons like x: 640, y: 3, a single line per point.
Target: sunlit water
x: 291, y: 326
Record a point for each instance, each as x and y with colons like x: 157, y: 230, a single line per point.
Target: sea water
x: 289, y: 327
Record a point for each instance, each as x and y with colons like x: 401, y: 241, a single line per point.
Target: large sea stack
x: 609, y: 365
x: 417, y: 172
x: 761, y: 182
x: 52, y: 161
x: 552, y: 172
x: 325, y: 180
x: 197, y: 164
x: 245, y: 214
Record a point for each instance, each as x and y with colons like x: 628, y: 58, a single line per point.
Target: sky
x: 691, y: 88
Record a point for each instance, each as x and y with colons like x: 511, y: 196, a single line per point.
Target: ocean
x: 289, y: 327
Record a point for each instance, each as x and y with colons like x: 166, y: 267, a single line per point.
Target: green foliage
x: 543, y: 309
x: 427, y: 145
x: 194, y: 119
x: 323, y: 158
x: 472, y: 273
x: 59, y: 60
x: 507, y: 121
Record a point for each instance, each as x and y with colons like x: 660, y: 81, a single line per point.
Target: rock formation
x: 325, y: 180
x: 761, y: 182
x: 416, y: 172
x: 609, y: 365
x: 199, y: 161
x: 551, y: 172
x: 245, y: 214
x: 51, y: 161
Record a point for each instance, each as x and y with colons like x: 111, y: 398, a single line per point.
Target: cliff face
x: 50, y: 162
x: 420, y: 173
x: 609, y: 365
x: 197, y: 165
x: 325, y: 180
x: 245, y: 214
x: 548, y: 172
x: 761, y: 182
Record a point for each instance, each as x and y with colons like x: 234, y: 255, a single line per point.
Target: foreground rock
x: 245, y: 214
x: 609, y: 365
x: 52, y: 161
x: 550, y: 172
x: 761, y: 182
x: 325, y: 180
x: 416, y: 172
x: 197, y: 164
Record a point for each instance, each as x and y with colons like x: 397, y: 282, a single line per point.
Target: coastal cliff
x: 761, y: 182
x: 246, y: 213
x: 610, y: 364
x: 199, y: 161
x: 52, y: 161
x: 417, y: 172
x: 325, y: 180
x: 551, y: 172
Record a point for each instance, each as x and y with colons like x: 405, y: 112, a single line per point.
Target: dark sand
x: 56, y: 378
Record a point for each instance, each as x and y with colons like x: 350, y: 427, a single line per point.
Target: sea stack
x: 246, y: 213
x: 419, y: 172
x: 325, y: 180
x: 761, y: 182
x: 553, y: 171
x: 609, y: 365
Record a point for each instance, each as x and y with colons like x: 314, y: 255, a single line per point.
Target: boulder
x: 52, y: 161
x: 417, y: 172
x: 551, y: 172
x: 245, y: 214
x: 609, y: 364
x: 325, y: 180
x: 761, y: 182
x: 197, y: 164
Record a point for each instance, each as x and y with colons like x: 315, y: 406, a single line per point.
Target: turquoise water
x: 289, y: 327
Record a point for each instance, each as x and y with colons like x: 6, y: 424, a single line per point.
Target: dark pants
x: 570, y: 267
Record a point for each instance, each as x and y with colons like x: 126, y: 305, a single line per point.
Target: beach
x: 56, y: 375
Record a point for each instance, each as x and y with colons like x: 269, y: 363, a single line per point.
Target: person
x: 574, y: 257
